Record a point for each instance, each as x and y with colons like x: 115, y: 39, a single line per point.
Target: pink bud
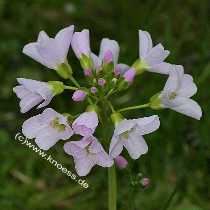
x: 121, y: 162
x: 79, y: 95
x: 108, y: 57
x: 93, y: 90
x: 101, y: 82
x: 145, y: 182
x: 129, y: 75
x: 87, y: 72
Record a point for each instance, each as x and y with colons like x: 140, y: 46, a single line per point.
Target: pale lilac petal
x: 148, y: 125
x: 109, y: 45
x: 145, y: 43
x: 31, y: 51
x: 83, y: 165
x: 50, y: 53
x: 29, y: 101
x: 174, y: 80
x: 135, y: 145
x: 20, y: 91
x: 156, y: 55
x: 85, y: 124
x: 189, y: 108
x: 188, y: 87
x: 74, y: 150
x: 162, y: 68
x: 45, y: 102
x: 35, y: 86
x: 33, y: 126
x: 42, y: 37
x: 63, y: 39
x: 121, y: 68
x: 46, y: 138
x: 104, y: 160
x: 123, y: 126
x: 96, y: 61
x: 81, y: 43
x: 116, y: 146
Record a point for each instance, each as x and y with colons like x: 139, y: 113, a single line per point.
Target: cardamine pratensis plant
x: 104, y: 77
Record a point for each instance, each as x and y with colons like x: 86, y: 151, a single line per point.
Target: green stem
x: 133, y: 107
x: 74, y: 81
x: 112, y: 188
x: 70, y: 88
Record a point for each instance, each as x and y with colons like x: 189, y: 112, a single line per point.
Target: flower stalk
x: 133, y: 107
x: 112, y: 181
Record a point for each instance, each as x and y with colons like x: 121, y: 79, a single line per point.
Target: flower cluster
x: 105, y: 77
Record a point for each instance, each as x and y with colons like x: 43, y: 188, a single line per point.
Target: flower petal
x: 116, y: 146
x: 135, y: 145
x: 156, y: 55
x: 189, y: 107
x: 63, y: 39
x: 85, y: 124
x: 96, y: 61
x: 145, y: 43
x: 188, y: 87
x: 81, y: 43
x: 162, y: 68
x: 148, y: 125
x: 174, y: 80
x: 20, y: 91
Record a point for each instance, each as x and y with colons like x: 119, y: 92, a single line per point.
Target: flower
x: 120, y: 69
x: 81, y: 43
x: 177, y: 94
x: 87, y: 153
x: 129, y: 133
x: 85, y: 124
x: 101, y: 82
x: 32, y: 93
x: 79, y: 95
x: 151, y: 58
x: 121, y: 162
x: 47, y: 128
x: 145, y: 182
x: 50, y: 52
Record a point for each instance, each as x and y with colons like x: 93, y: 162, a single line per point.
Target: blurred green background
x: 178, y: 161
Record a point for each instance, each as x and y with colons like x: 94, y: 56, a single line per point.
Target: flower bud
x: 87, y: 72
x: 145, y: 182
x: 121, y: 162
x: 129, y: 75
x: 79, y: 95
x: 117, y: 71
x: 93, y: 90
x: 101, y: 82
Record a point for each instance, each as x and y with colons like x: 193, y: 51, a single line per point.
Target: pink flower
x: 87, y: 153
x: 79, y: 95
x: 101, y: 82
x: 129, y: 75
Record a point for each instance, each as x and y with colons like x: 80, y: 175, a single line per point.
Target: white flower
x: 47, y: 128
x: 177, y: 92
x: 129, y: 133
x: 50, y: 52
x: 152, y: 57
x: 87, y: 153
x: 32, y: 93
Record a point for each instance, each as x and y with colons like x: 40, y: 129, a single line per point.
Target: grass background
x: 178, y: 161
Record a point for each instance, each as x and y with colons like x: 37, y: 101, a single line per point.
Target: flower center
x: 57, y: 125
x: 172, y: 95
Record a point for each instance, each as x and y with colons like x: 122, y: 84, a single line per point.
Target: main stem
x: 112, y: 188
